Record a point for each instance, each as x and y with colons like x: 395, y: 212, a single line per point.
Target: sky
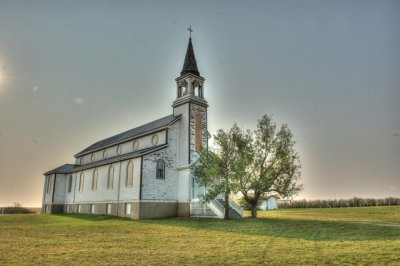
x: 75, y: 72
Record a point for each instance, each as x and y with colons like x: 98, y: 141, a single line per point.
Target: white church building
x: 142, y: 173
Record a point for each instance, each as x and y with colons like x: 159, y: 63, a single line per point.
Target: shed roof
x: 64, y: 169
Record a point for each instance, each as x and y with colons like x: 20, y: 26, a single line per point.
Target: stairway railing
x: 216, y: 207
x: 236, y: 206
x: 219, y: 208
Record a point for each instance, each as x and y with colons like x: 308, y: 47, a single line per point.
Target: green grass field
x: 367, y: 235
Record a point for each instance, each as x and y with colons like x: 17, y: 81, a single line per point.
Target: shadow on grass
x: 272, y: 227
x: 293, y: 229
x: 92, y: 217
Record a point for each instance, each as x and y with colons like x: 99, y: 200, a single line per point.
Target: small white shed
x: 270, y: 203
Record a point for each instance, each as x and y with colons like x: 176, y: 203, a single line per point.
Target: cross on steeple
x: 190, y: 31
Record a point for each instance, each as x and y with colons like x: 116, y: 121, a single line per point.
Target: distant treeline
x: 338, y: 203
x: 14, y: 210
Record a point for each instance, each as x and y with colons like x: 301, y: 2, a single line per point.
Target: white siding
x: 48, y: 192
x: 69, y: 196
x: 184, y: 185
x: 60, y: 185
x: 130, y: 193
x: 102, y: 193
x: 166, y: 189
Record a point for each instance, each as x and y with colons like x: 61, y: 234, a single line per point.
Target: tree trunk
x: 254, y: 211
x: 226, y: 206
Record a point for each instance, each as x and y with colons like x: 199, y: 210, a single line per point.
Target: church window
x: 127, y: 208
x: 154, y: 139
x: 129, y: 174
x: 160, y: 173
x: 82, y: 160
x: 93, y: 157
x: 135, y: 145
x: 110, y: 181
x: 94, y: 180
x: 119, y: 149
x: 105, y: 154
x: 198, y: 127
x: 81, y: 181
x: 48, y: 185
x: 69, y: 183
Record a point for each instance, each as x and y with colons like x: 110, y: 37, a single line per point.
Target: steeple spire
x: 190, y: 64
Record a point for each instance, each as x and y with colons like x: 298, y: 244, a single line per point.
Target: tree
x: 214, y: 168
x: 253, y: 163
x: 268, y: 163
x: 17, y: 205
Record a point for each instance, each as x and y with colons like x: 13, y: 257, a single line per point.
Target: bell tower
x: 190, y: 103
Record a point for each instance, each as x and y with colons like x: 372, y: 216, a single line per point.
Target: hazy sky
x: 75, y: 72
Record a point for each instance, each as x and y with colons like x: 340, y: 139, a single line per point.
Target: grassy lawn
x: 368, y: 235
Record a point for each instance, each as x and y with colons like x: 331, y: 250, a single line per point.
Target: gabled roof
x: 130, y: 134
x: 190, y: 64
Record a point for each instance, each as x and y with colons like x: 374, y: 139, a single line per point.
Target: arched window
x: 69, y: 183
x: 94, y: 180
x: 81, y: 181
x: 129, y: 174
x: 160, y: 172
x: 110, y: 182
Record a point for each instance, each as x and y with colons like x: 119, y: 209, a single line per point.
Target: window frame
x: 128, y: 207
x: 69, y: 188
x: 95, y: 179
x: 110, y: 177
x: 129, y: 174
x: 81, y: 181
x: 160, y: 169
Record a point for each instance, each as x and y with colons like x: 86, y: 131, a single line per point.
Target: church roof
x: 64, y: 169
x: 190, y: 64
x: 70, y: 168
x: 130, y: 134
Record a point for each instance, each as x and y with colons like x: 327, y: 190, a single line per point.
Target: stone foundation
x: 132, y: 210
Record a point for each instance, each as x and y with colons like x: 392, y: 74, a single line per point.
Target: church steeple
x: 190, y: 64
x: 191, y: 105
x: 190, y: 83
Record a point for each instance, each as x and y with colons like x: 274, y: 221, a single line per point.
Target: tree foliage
x: 214, y: 169
x: 255, y: 163
x: 268, y: 163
